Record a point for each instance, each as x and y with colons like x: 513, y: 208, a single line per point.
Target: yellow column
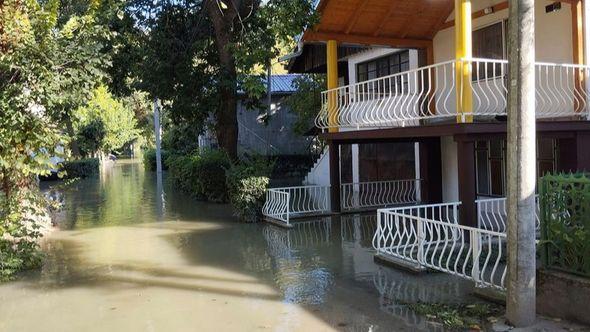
x: 463, y: 68
x: 578, y: 47
x: 332, y: 73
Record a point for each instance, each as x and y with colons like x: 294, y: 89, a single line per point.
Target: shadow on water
x: 323, y: 265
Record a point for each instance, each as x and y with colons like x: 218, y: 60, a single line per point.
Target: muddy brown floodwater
x: 132, y: 255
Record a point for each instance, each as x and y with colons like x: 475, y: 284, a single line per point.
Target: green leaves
x: 106, y: 123
x: 565, y: 222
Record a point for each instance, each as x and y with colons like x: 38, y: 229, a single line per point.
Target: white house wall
x: 450, y: 173
x: 553, y: 32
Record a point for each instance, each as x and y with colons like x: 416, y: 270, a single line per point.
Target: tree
x: 247, y: 35
x: 76, y: 50
x: 117, y: 122
x: 28, y: 135
x: 200, y: 52
x: 306, y: 101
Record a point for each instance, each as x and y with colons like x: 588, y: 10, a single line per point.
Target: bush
x: 81, y: 168
x: 201, y: 174
x: 149, y: 159
x: 247, y: 183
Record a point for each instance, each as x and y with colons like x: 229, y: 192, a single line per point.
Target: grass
x: 458, y: 316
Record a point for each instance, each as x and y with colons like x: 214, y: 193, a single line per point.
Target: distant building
x: 267, y: 131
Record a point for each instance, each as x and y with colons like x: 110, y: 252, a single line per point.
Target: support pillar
x: 334, y: 176
x: 467, y: 187
x: 431, y: 171
x: 463, y: 54
x: 578, y: 50
x: 332, y: 80
x: 583, y: 156
x: 521, y: 165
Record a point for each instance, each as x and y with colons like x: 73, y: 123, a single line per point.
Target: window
x: 490, y: 164
x: 489, y: 43
x: 490, y: 167
x: 386, y: 161
x: 388, y: 65
x: 546, y: 156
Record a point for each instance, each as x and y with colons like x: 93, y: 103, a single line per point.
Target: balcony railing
x: 440, y: 92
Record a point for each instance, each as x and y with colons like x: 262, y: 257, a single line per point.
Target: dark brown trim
x: 467, y: 188
x: 431, y: 170
x: 334, y: 152
x: 459, y: 130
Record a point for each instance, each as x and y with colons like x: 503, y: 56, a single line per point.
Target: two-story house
x: 415, y: 108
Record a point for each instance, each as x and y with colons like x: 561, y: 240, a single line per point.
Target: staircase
x: 320, y: 172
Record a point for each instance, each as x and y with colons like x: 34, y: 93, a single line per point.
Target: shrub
x: 201, y: 174
x: 81, y: 168
x: 210, y: 169
x: 247, y: 183
x: 149, y: 159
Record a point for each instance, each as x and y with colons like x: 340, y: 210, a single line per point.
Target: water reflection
x: 324, y: 266
x: 396, y: 289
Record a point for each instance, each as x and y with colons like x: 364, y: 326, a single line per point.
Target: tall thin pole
x: 157, y: 131
x: 520, y: 299
x: 269, y: 100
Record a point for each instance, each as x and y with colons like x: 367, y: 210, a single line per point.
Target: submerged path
x: 135, y: 256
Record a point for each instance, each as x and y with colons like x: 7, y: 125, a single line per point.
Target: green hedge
x: 149, y: 159
x: 81, y: 168
x: 247, y: 183
x: 201, y: 174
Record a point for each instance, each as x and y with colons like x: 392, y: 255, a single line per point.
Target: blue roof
x: 282, y: 83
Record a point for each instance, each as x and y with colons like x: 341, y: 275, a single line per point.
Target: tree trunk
x: 226, y: 126
x: 73, y: 144
x: 520, y: 298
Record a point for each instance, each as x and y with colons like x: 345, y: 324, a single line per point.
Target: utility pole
x: 157, y: 131
x: 522, y: 174
x: 269, y: 100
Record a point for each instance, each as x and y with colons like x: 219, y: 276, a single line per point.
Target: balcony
x: 453, y: 91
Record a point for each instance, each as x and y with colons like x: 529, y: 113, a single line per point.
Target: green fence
x: 565, y: 222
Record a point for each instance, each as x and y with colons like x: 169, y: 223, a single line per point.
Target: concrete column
x: 356, y: 176
x: 521, y: 167
x: 334, y: 176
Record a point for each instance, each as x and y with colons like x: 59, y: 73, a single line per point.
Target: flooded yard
x: 132, y: 255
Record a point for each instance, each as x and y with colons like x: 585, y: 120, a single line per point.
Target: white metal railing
x: 382, y: 239
x: 355, y: 196
x: 431, y: 92
x: 276, y: 205
x: 283, y: 203
x: 492, y: 214
x: 471, y: 253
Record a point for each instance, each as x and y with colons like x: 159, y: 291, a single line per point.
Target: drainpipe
x: 295, y: 54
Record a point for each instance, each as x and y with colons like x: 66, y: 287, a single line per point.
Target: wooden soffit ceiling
x: 398, y: 23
